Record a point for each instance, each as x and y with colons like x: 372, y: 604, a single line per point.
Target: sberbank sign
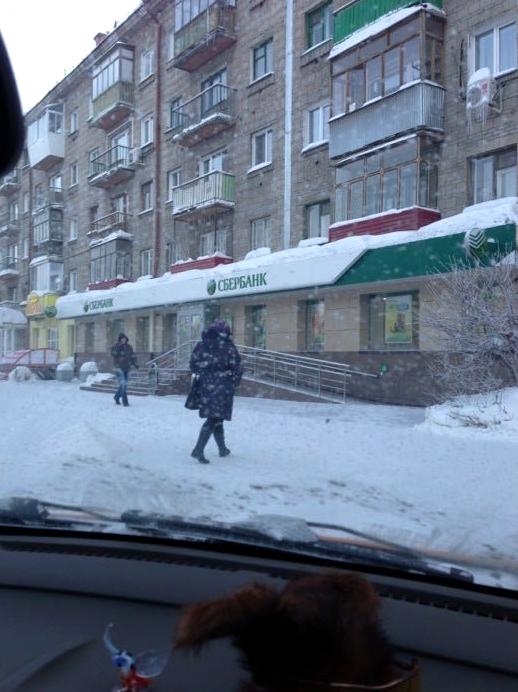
x: 93, y: 305
x: 237, y: 283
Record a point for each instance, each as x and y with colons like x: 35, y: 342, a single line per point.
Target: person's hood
x: 121, y: 337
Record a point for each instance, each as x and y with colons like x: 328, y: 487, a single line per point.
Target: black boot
x: 203, y: 438
x: 219, y: 436
x: 125, y: 400
x: 117, y: 400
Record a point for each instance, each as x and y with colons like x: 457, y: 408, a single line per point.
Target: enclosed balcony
x: 212, y: 193
x: 46, y: 138
x: 112, y: 88
x: 210, y: 112
x: 50, y: 197
x: 416, y: 107
x: 110, y: 263
x: 8, y: 224
x: 9, y: 183
x: 202, y: 31
x: 115, y: 221
x: 8, y: 267
x: 48, y: 232
x: 113, y: 166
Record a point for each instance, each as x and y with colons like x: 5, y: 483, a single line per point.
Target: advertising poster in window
x: 398, y: 319
x: 315, y: 325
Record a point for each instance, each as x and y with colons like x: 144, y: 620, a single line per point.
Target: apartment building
x: 199, y: 141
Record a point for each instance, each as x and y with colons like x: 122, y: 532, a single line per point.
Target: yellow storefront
x: 45, y: 330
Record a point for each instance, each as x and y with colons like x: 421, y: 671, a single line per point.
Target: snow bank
x: 21, y: 374
x: 98, y: 377
x: 495, y: 412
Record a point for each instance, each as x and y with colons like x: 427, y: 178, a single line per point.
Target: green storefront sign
x: 95, y: 305
x: 236, y: 283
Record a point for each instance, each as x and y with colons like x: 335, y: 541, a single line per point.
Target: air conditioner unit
x: 480, y: 96
x: 134, y: 156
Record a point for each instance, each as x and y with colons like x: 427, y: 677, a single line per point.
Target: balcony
x: 113, y: 105
x: 9, y: 183
x: 113, y: 166
x: 8, y: 267
x: 115, y: 221
x: 210, y: 112
x: 205, y: 36
x: 46, y: 138
x: 418, y: 106
x: 48, y: 235
x: 51, y: 197
x: 8, y: 225
x: 212, y: 193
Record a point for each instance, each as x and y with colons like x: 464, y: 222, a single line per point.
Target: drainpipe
x: 288, y: 116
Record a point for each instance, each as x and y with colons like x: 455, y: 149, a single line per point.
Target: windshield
x: 258, y: 269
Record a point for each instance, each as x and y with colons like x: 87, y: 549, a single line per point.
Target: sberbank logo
x: 98, y: 304
x: 476, y: 244
x: 236, y: 283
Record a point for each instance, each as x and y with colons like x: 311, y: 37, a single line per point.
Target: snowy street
x: 375, y: 468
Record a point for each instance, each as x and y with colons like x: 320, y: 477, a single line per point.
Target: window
x: 119, y: 203
x: 318, y: 218
x: 71, y: 338
x: 170, y: 44
x: 496, y: 49
x: 116, y: 67
x: 72, y: 280
x: 142, y: 338
x: 146, y: 130
x: 314, y: 325
x: 317, y: 125
x: 73, y: 229
x: 48, y: 225
x: 262, y: 148
x: 216, y: 241
x: 262, y: 60
x: 146, y: 193
x: 319, y: 25
x: 12, y: 294
x: 393, y: 178
x: 177, y: 118
x: 12, y: 251
x: 74, y: 174
x: 384, y: 64
x: 174, y: 179
x: 261, y: 233
x: 53, y: 337
x: 74, y: 121
x: 146, y: 263
x: 56, y: 182
x: 147, y: 64
x: 89, y: 336
x: 13, y: 211
x: 93, y: 213
x: 255, y: 326
x: 494, y: 175
x: 26, y: 202
x: 169, y: 254
x: 47, y: 276
x: 214, y: 91
x: 187, y: 10
x: 392, y: 321
x: 111, y: 260
x: 25, y: 248
x: 215, y: 162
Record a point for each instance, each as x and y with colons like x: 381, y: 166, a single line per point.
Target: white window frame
x: 72, y: 280
x: 322, y: 232
x: 72, y: 229
x: 26, y: 202
x: 56, y: 181
x: 268, y: 131
x: 170, y: 45
x: 25, y: 248
x: 174, y: 173
x: 327, y: 7
x: 262, y: 225
x: 74, y: 174
x: 210, y: 159
x: 146, y: 262
x: 143, y: 194
x: 147, y: 64
x: 496, y: 49
x: 74, y: 121
x: 53, y: 338
x: 147, y: 123
x: 269, y: 60
x: 324, y: 110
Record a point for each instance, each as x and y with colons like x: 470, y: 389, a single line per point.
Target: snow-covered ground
x: 381, y: 469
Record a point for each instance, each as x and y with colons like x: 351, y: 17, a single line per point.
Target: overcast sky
x: 46, y: 39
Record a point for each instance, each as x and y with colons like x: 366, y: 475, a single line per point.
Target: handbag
x: 193, y: 401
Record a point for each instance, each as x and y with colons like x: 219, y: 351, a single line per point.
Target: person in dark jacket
x: 216, y: 363
x: 123, y: 358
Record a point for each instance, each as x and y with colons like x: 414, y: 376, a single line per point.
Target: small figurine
x: 136, y: 672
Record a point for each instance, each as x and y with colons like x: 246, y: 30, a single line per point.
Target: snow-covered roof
x: 296, y: 268
x: 379, y: 26
x: 11, y: 316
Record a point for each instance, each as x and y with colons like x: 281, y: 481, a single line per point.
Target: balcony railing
x: 48, y: 232
x: 113, y: 105
x: 8, y: 224
x: 205, y: 36
x: 113, y: 166
x: 9, y: 183
x: 207, y: 194
x: 208, y: 113
x: 51, y: 197
x: 116, y: 220
x: 414, y: 107
x: 8, y: 266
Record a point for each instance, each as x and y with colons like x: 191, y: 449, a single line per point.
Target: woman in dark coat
x: 216, y: 363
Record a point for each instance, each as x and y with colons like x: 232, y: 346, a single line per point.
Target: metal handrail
x: 185, y: 116
x: 114, y: 219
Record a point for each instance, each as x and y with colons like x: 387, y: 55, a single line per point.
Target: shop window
x: 169, y: 339
x: 113, y: 329
x: 392, y: 321
x: 89, y: 337
x: 314, y: 325
x: 255, y: 326
x: 142, y: 340
x: 493, y: 176
x: 71, y: 338
x: 53, y: 338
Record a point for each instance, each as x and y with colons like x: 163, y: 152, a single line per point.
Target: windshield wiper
x: 29, y: 511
